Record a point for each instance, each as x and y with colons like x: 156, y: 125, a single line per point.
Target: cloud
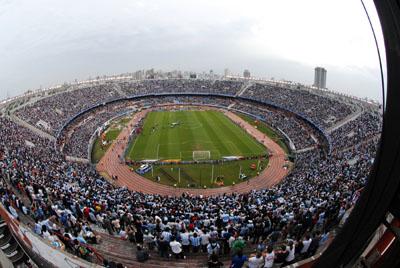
x: 48, y: 42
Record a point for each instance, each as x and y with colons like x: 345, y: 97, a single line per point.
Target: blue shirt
x: 166, y: 235
x: 195, y: 241
x: 237, y: 262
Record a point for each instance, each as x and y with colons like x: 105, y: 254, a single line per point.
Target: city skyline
x: 47, y: 44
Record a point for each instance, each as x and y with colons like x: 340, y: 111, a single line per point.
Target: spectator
x: 141, y: 254
x: 213, y: 248
x: 238, y: 260
x: 195, y: 241
x: 256, y: 261
x: 306, y: 245
x: 291, y: 256
x: 213, y: 262
x: 185, y: 239
x: 162, y: 247
x: 314, y: 243
x: 280, y: 256
x: 238, y: 245
x: 269, y: 257
x: 176, y: 248
x: 205, y: 240
x: 148, y: 240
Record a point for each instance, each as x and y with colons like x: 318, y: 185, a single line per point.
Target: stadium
x: 262, y: 159
x: 188, y: 169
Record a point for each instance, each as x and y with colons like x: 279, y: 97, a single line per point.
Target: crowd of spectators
x: 57, y: 109
x: 68, y: 201
x: 368, y: 125
x: 75, y: 138
x: 324, y: 111
x: 76, y: 145
x: 300, y: 133
x: 225, y: 87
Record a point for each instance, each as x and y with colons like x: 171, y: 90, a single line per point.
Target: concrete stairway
x: 10, y: 247
x: 115, y: 249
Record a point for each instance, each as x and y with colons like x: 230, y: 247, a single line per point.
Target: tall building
x: 246, y: 74
x: 226, y: 72
x: 320, y: 77
x: 138, y: 75
x: 149, y: 74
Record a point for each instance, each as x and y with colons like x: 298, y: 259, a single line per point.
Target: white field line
x: 133, y: 146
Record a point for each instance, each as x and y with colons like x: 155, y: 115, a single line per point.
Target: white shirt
x: 205, y: 239
x: 213, y: 248
x: 290, y: 257
x: 46, y: 235
x: 176, y: 247
x: 231, y: 240
x: 269, y: 260
x: 306, y: 245
x: 255, y: 262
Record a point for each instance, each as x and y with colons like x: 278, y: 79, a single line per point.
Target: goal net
x: 201, y: 155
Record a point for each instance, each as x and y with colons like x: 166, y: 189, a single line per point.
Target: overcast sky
x: 47, y: 42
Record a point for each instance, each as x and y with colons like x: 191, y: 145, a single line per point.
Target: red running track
x: 113, y: 166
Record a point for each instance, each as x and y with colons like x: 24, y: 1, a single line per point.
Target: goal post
x: 201, y: 155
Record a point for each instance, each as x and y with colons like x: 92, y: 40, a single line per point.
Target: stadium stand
x: 75, y: 209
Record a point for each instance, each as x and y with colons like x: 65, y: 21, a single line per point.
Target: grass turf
x: 200, y: 175
x: 112, y: 132
x: 196, y: 131
x: 264, y: 128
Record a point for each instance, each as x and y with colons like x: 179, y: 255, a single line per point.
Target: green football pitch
x: 175, y: 135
